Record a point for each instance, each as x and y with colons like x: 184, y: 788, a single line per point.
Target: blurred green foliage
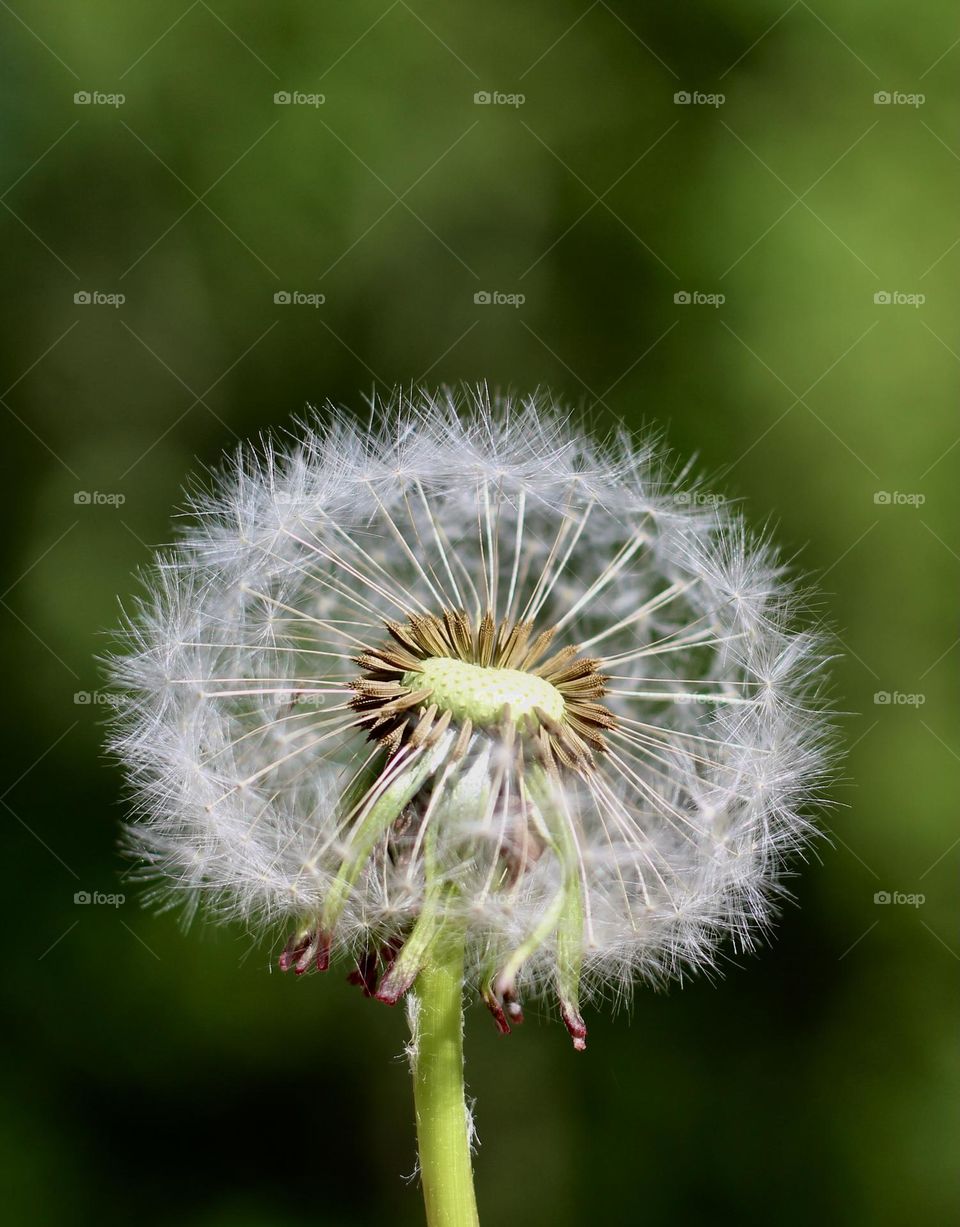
x: 163, y: 1078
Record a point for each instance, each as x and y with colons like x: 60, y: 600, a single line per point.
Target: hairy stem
x: 443, y: 1123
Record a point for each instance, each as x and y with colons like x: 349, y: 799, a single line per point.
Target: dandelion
x: 466, y: 698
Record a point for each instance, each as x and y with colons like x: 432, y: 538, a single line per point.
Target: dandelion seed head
x: 469, y: 666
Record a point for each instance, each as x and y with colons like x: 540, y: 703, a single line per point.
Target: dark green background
x: 162, y: 1078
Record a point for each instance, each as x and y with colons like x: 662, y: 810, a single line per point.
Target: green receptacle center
x: 479, y: 693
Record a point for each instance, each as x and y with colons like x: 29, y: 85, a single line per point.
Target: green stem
x: 443, y: 1123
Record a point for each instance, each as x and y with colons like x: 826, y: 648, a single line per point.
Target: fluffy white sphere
x: 466, y: 666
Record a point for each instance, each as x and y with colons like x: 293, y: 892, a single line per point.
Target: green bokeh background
x: 165, y: 1078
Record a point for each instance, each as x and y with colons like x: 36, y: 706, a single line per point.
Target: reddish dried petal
x: 496, y: 1009
x: 293, y: 952
x: 575, y: 1025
